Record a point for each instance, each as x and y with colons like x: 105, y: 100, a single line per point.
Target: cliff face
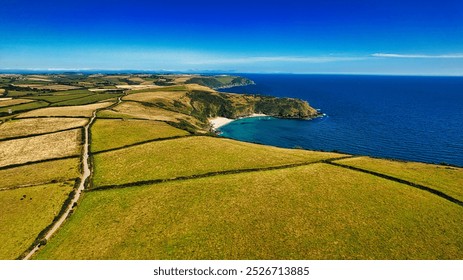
x: 207, y: 104
x: 219, y: 82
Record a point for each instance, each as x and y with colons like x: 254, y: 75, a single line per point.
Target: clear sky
x: 324, y: 36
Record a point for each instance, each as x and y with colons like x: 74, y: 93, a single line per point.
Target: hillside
x: 163, y: 187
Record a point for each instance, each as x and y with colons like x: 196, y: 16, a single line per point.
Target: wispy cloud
x: 394, y: 55
x: 269, y: 59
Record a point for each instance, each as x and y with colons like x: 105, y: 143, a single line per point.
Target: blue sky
x: 331, y: 36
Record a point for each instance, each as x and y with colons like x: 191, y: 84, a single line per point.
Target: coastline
x: 218, y: 122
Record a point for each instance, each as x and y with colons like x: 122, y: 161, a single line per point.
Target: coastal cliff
x: 220, y: 81
x: 214, y: 104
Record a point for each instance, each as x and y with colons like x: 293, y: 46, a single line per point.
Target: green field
x: 40, y: 173
x: 443, y: 178
x: 59, y: 98
x: 23, y: 107
x: 14, y: 93
x: 295, y: 213
x: 191, y: 156
x: 26, y: 212
x: 95, y: 97
x: 109, y: 134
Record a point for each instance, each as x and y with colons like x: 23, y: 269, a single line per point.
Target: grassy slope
x: 40, y: 173
x: 138, y: 110
x: 22, y: 220
x: 190, y: 156
x: 108, y: 134
x: 113, y: 115
x: 296, y: 213
x: 443, y: 178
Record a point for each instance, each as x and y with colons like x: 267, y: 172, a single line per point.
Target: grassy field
x: 25, y: 213
x: 11, y: 102
x: 40, y: 173
x: 190, y: 156
x: 60, y: 144
x: 96, y: 97
x: 16, y: 93
x: 108, y: 134
x: 23, y: 107
x: 443, y: 178
x: 296, y: 213
x: 22, y: 127
x: 60, y: 97
x: 66, y: 111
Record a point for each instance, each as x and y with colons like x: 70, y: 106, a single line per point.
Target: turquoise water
x: 408, y: 118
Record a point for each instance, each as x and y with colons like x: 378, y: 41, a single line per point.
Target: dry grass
x: 443, y: 178
x: 191, y: 156
x: 108, y: 134
x: 192, y: 87
x: 24, y: 127
x: 67, y: 111
x: 182, y: 79
x: 152, y: 113
x: 113, y: 115
x: 25, y: 213
x: 137, y: 80
x: 40, y: 173
x: 38, y: 79
x: 50, y: 87
x: 42, y: 147
x: 11, y: 102
x: 311, y: 212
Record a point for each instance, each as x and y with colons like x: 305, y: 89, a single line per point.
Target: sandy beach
x: 218, y: 122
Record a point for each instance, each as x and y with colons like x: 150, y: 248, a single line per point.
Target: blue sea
x: 398, y: 117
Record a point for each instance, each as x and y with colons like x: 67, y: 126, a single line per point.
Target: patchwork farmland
x: 162, y: 186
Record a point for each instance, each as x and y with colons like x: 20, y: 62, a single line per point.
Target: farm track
x: 86, y: 173
x: 83, y: 182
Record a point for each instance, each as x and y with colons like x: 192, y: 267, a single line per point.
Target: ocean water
x: 407, y: 118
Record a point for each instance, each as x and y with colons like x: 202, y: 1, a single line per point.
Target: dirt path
x: 85, y: 175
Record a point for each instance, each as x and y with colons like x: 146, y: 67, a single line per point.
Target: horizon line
x: 230, y: 72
